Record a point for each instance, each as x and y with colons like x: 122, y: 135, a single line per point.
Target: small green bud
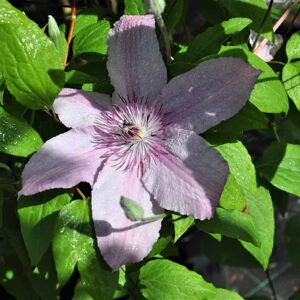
x: 132, y: 210
x: 155, y: 7
x: 54, y: 32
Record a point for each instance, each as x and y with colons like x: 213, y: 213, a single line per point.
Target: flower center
x: 131, y: 133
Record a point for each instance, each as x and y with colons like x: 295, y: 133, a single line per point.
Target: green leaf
x: 240, y: 164
x: 16, y: 136
x: 231, y: 223
x: 262, y: 213
x: 291, y: 81
x: 292, y: 239
x: 280, y: 164
x: 132, y: 209
x: 163, y: 279
x: 30, y: 63
x: 92, y: 39
x: 233, y: 196
x: 134, y: 7
x: 292, y: 47
x: 73, y: 244
x: 181, y: 225
x: 210, y: 41
x: 256, y: 10
x: 87, y: 17
x: 269, y: 95
x: 242, y: 175
x: 37, y: 216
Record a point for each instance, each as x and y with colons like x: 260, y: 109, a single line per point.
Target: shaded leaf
x: 162, y: 279
x: 292, y: 239
x: 173, y: 13
x: 221, y: 252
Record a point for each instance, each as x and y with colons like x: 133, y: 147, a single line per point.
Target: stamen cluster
x: 131, y: 133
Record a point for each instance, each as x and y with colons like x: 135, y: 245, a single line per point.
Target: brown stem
x: 277, y: 25
x: 69, y: 39
x: 82, y: 195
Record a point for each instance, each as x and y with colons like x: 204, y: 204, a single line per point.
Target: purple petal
x: 135, y: 64
x: 210, y: 93
x: 62, y: 162
x: 120, y: 240
x: 77, y: 108
x: 190, y: 179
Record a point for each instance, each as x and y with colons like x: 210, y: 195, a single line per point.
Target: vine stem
x: 271, y: 284
x: 72, y: 25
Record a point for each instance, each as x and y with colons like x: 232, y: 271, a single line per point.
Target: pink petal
x: 77, y: 108
x: 62, y: 162
x: 190, y: 179
x: 210, y: 93
x: 120, y: 240
x: 135, y: 64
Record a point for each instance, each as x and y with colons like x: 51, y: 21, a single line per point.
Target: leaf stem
x: 154, y: 218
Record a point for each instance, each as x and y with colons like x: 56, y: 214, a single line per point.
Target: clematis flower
x: 142, y: 144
